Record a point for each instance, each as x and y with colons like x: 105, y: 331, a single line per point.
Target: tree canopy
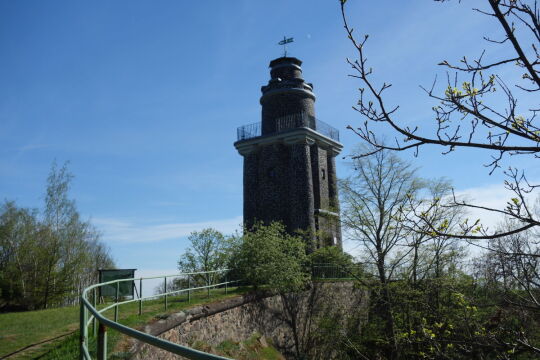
x: 47, y: 257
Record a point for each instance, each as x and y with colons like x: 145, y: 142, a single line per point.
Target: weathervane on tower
x: 284, y: 42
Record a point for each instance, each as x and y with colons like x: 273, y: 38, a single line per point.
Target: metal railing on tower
x: 286, y: 123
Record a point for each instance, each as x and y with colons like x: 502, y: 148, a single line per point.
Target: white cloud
x: 116, y: 230
x: 31, y: 147
x: 493, y: 196
x: 145, y: 273
x: 352, y: 247
x: 150, y: 285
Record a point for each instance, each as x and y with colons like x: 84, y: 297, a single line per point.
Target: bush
x: 269, y: 256
x: 331, y: 255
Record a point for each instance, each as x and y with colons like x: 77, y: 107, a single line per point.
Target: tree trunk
x: 386, y: 309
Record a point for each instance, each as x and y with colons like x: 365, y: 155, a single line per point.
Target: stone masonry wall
x: 238, y: 318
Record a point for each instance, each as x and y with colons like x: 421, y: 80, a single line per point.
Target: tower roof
x: 286, y: 68
x: 285, y: 60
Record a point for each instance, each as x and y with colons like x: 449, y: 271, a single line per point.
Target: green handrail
x: 96, y: 315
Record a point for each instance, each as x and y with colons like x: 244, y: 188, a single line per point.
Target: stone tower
x: 289, y: 160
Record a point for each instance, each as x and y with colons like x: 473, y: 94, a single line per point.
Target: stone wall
x: 315, y: 314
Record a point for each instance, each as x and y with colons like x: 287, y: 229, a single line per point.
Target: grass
x: 21, y: 329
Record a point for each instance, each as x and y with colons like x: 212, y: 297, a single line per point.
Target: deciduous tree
x: 47, y: 258
x: 373, y: 200
x: 271, y: 257
x: 209, y: 250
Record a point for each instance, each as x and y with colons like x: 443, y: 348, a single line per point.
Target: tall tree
x: 382, y: 202
x: 270, y: 256
x: 373, y: 201
x: 47, y: 259
x: 511, y: 271
x: 485, y: 104
x: 432, y: 254
x: 20, y: 266
x: 209, y: 250
x: 65, y: 239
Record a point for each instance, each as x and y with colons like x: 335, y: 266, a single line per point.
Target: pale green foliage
x: 209, y: 250
x: 19, y: 250
x: 47, y: 260
x: 331, y: 255
x: 270, y: 256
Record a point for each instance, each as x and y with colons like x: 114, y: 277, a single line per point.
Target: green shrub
x: 270, y: 256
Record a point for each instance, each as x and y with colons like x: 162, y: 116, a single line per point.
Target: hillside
x: 22, y: 330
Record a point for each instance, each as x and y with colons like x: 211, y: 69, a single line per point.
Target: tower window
x: 323, y: 171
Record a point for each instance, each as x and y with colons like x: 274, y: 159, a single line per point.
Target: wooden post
x: 140, y: 296
x: 82, y: 326
x: 165, y: 281
x: 94, y: 322
x: 116, y: 307
x: 102, y: 342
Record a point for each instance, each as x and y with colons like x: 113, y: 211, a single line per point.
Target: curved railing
x: 91, y: 317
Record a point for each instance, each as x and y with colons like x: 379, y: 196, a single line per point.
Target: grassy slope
x: 18, y: 330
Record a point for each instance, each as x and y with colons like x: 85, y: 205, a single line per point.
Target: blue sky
x: 143, y: 98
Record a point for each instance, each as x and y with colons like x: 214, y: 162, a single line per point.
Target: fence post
x: 207, y: 286
x: 94, y: 323
x: 165, y: 293
x: 116, y: 307
x: 226, y: 283
x: 102, y: 342
x: 82, y: 325
x: 189, y: 288
x: 140, y: 296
